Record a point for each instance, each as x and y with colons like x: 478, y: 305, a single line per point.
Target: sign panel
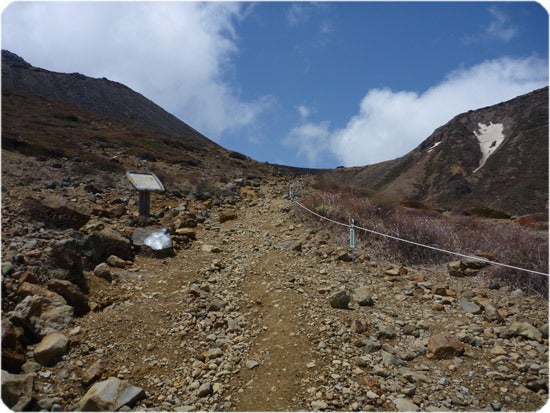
x: 145, y: 181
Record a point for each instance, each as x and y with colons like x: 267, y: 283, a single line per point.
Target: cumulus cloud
x: 177, y: 54
x: 390, y: 123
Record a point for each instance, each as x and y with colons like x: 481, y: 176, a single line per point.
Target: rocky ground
x: 256, y: 309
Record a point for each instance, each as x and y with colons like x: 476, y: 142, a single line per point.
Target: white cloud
x: 298, y: 13
x: 310, y: 140
x: 390, y: 123
x: 175, y: 53
x: 499, y: 28
x: 304, y: 111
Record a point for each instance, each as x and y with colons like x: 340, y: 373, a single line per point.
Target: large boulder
x: 110, y: 395
x: 17, y: 390
x: 116, y: 244
x: 56, y: 212
x: 38, y: 316
x: 67, y: 255
x: 27, y: 289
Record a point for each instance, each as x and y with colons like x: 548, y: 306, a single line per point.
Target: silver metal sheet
x: 145, y: 181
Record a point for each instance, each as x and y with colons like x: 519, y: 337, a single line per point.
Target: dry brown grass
x: 509, y: 242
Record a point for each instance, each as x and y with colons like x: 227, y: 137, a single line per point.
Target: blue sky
x: 298, y: 83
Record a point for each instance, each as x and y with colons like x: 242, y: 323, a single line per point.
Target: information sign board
x: 145, y: 181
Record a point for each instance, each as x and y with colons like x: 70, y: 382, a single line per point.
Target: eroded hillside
x: 256, y: 309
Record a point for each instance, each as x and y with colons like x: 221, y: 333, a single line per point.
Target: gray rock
x: 7, y: 268
x: 526, y: 330
x: 371, y: 346
x: 117, y: 262
x: 490, y: 311
x: 17, y: 390
x: 48, y: 402
x: 363, y: 297
x: 103, y: 271
x: 210, y: 248
x: 473, y: 263
x: 205, y: 390
x: 56, y: 317
x: 51, y: 348
x: 340, y: 300
x: 250, y: 364
x: 39, y: 316
x: 385, y: 331
x: 319, y: 405
x: 390, y: 360
x: 469, y: 307
x: 185, y: 408
x: 544, y: 330
x: 31, y: 367
x: 290, y: 245
x: 216, y: 304
x: 405, y: 405
x: 110, y: 395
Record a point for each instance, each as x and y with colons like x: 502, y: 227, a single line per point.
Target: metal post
x: 352, y: 238
x: 144, y: 203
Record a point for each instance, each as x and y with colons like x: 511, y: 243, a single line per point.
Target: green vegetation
x: 486, y: 212
x: 69, y: 117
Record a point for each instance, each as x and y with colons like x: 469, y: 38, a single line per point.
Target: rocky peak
x: 13, y: 59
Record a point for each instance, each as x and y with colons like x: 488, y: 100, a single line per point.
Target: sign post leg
x: 144, y: 203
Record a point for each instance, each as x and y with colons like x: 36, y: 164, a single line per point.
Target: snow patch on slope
x: 434, y: 146
x: 490, y: 137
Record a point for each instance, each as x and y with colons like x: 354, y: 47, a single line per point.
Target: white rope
x: 416, y: 243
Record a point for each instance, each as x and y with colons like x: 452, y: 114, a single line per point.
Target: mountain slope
x: 445, y: 170
x: 102, y: 96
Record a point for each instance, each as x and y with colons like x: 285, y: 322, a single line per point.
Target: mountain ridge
x: 444, y: 170
x: 106, y: 97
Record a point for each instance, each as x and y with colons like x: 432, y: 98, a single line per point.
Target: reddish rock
x: 72, y: 294
x: 29, y: 277
x: 56, y: 212
x: 117, y: 244
x: 93, y: 373
x: 227, y: 216
x: 27, y: 289
x: 13, y: 352
x: 444, y: 346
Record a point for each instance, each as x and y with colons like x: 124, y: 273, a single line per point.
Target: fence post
x: 352, y: 238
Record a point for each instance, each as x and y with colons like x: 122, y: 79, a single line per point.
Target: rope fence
x: 352, y: 226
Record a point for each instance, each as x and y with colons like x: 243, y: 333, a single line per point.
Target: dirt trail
x: 282, y: 349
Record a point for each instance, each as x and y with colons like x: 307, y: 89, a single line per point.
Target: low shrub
x: 511, y: 243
